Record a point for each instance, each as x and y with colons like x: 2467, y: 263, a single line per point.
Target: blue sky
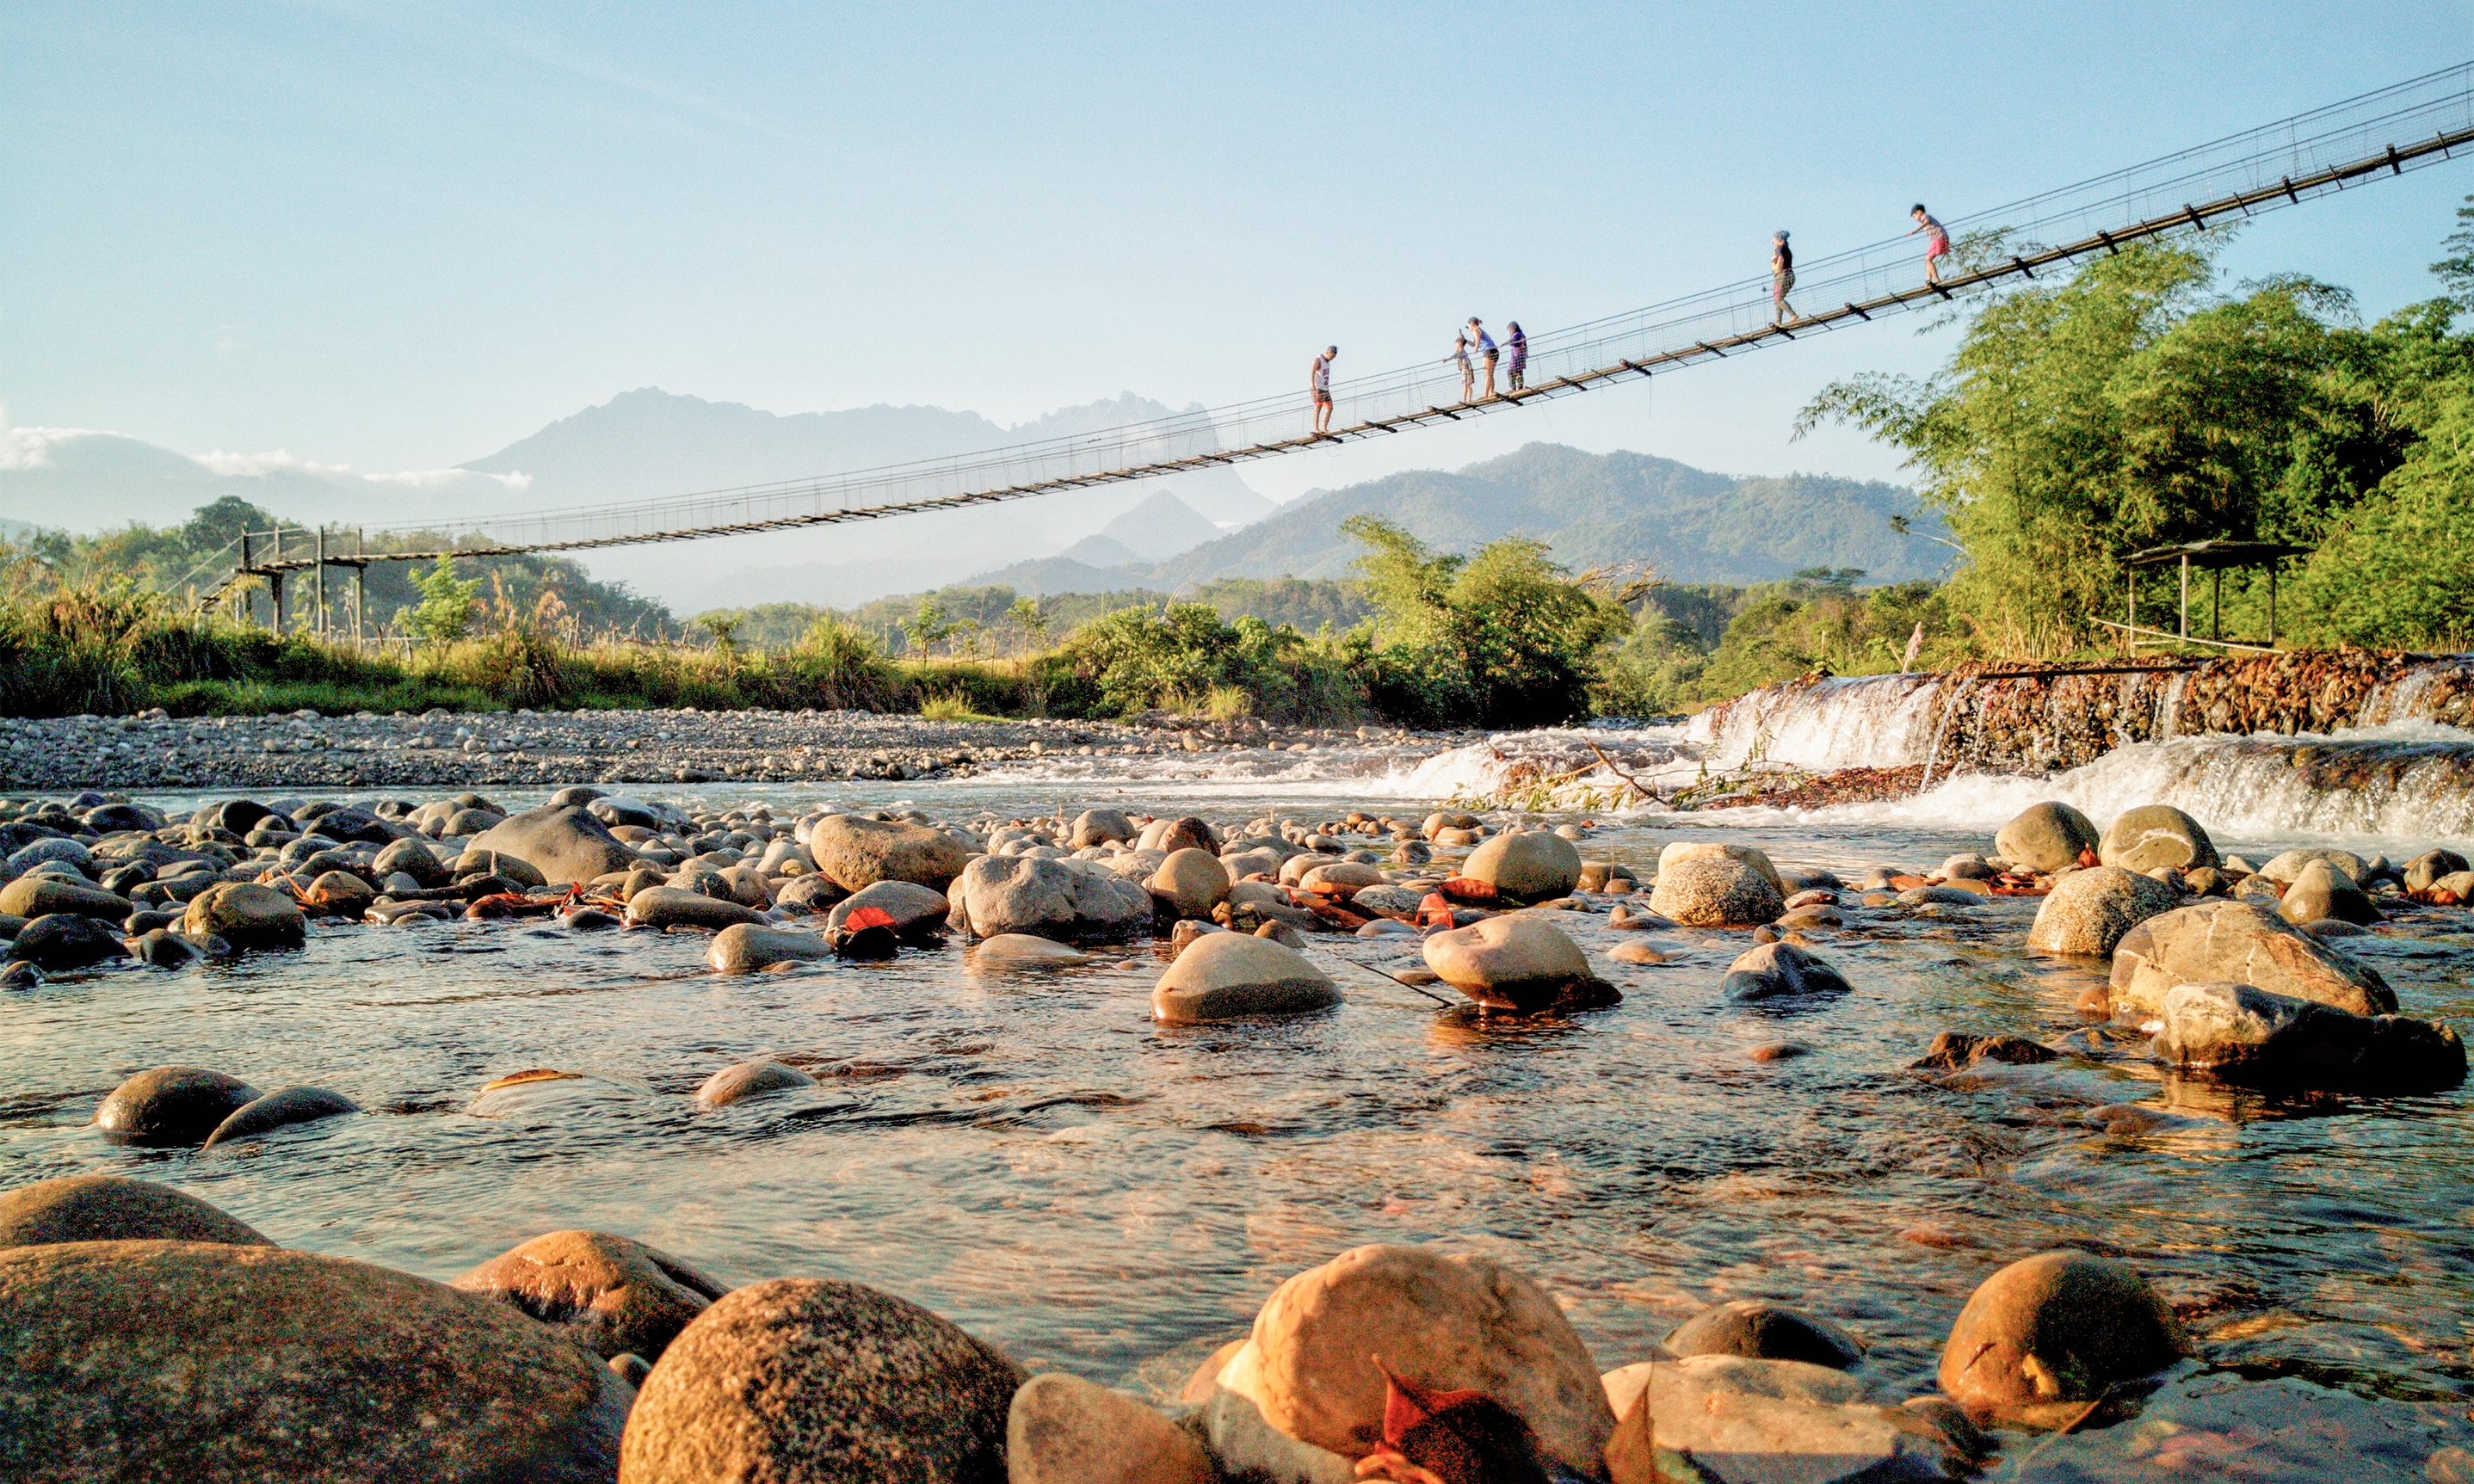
x: 400, y: 236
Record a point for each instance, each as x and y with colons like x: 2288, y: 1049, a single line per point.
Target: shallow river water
x: 1030, y: 1156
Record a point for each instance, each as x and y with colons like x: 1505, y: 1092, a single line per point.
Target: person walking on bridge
x: 1319, y: 378
x: 1486, y: 351
x: 1459, y: 353
x: 1781, y: 278
x: 1518, y: 344
x: 1936, y: 242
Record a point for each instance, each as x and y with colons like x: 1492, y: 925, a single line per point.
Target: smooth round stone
x: 66, y: 941
x: 742, y: 1080
x: 1061, y: 1429
x: 2046, y: 837
x: 281, y: 1109
x: 1190, y: 882
x: 1516, y: 962
x: 613, y: 1295
x: 916, y: 911
x: 670, y: 906
x: 1342, y: 878
x: 1025, y: 951
x: 804, y: 1379
x: 591, y: 920
x: 171, y: 1107
x: 41, y: 896
x: 112, y: 1208
x: 216, y: 1363
x: 1635, y: 952
x: 2089, y: 911
x: 1772, y: 970
x: 246, y: 916
x: 2155, y: 835
x: 744, y: 947
x: 1222, y: 977
x: 2057, y: 1327
x: 1532, y: 866
x: 1765, y: 1331
x: 1716, y: 890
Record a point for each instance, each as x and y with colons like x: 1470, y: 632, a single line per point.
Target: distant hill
x: 1592, y: 510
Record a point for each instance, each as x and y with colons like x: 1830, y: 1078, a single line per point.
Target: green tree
x: 448, y: 603
x: 2456, y: 271
x: 931, y: 626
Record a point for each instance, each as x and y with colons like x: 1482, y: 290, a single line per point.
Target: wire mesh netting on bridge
x: 2388, y: 131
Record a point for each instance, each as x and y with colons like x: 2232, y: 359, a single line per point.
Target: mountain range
x: 1591, y: 509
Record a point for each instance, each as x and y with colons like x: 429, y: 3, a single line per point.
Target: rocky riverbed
x: 443, y: 748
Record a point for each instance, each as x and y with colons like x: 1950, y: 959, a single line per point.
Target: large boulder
x: 281, y: 1109
x: 1534, y: 865
x: 1678, y: 852
x: 112, y: 1208
x: 1066, y: 899
x: 821, y: 1382
x: 565, y: 845
x: 2239, y: 942
x: 1189, y: 883
x: 2153, y: 835
x: 34, y: 897
x: 1221, y: 977
x: 64, y: 940
x: 246, y: 916
x: 2089, y: 911
x: 2046, y: 837
x: 740, y: 1081
x: 917, y: 912
x: 2241, y: 1033
x: 673, y: 906
x: 1734, y: 1420
x: 747, y: 947
x: 1777, y: 971
x: 1716, y: 890
x: 1518, y: 962
x: 855, y: 852
x: 1446, y: 1322
x: 171, y: 1107
x: 613, y: 1295
x: 1061, y: 1429
x: 2059, y: 1328
x: 212, y: 1362
x: 2321, y: 889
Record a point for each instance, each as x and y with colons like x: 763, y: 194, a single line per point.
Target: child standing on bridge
x: 1781, y: 278
x: 1318, y: 377
x: 1459, y: 353
x: 1936, y: 244
x: 1518, y: 344
x: 1486, y: 349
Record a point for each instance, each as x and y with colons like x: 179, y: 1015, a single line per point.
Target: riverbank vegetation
x: 2134, y: 404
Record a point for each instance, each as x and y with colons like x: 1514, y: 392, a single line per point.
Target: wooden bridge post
x: 319, y: 624
x: 2186, y: 596
x: 360, y: 597
x: 275, y: 581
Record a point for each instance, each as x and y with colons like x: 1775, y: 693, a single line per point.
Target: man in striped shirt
x: 1318, y: 377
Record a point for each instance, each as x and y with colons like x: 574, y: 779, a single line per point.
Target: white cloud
x: 30, y: 448
x: 257, y: 465
x: 433, y: 478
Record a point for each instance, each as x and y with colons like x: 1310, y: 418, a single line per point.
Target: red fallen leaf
x: 2087, y: 857
x: 1434, y: 911
x: 1464, y: 889
x: 866, y: 917
x: 1909, y: 883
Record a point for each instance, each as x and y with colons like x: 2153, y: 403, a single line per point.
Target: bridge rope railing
x: 2378, y: 135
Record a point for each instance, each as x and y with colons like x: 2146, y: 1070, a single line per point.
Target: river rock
x: 1189, y: 883
x: 1716, y: 890
x: 2427, y: 870
x: 2238, y: 942
x: 2089, y: 911
x: 1385, y: 901
x: 1518, y: 962
x: 613, y: 1295
x: 340, y: 893
x: 742, y: 1080
x: 246, y: 916
x: 2153, y: 835
x: 618, y: 810
x: 64, y: 940
x: 671, y: 906
x: 41, y: 895
x: 1772, y: 970
x: 1341, y: 878
x: 1061, y: 1429
x: 821, y: 1382
x: 214, y: 1362
x: 1221, y: 977
x: 858, y: 853
x: 171, y: 1107
x: 111, y: 1209
x: 2046, y: 837
x: 1025, y: 951
x: 815, y: 892
x: 918, y: 913
x: 2057, y: 1327
x: 281, y: 1109
x: 1065, y: 899
x: 1958, y: 1050
x: 2321, y: 889
x: 1762, y: 1330
x: 2287, y: 866
x: 1445, y: 1322
x: 1733, y: 1419
x: 2244, y: 1034
x: 745, y: 947
x: 1100, y: 827
x: 1678, y: 852
x: 565, y: 844
x: 1534, y: 865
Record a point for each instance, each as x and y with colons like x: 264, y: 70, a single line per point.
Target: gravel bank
x: 304, y: 750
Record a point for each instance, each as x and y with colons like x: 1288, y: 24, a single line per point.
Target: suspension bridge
x: 2310, y: 156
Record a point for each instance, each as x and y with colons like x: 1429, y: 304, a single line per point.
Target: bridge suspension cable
x: 2377, y: 135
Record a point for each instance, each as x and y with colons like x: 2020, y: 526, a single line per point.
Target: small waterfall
x: 2412, y: 782
x: 1871, y: 720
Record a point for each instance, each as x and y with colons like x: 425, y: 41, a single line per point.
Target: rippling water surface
x: 1028, y: 1155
